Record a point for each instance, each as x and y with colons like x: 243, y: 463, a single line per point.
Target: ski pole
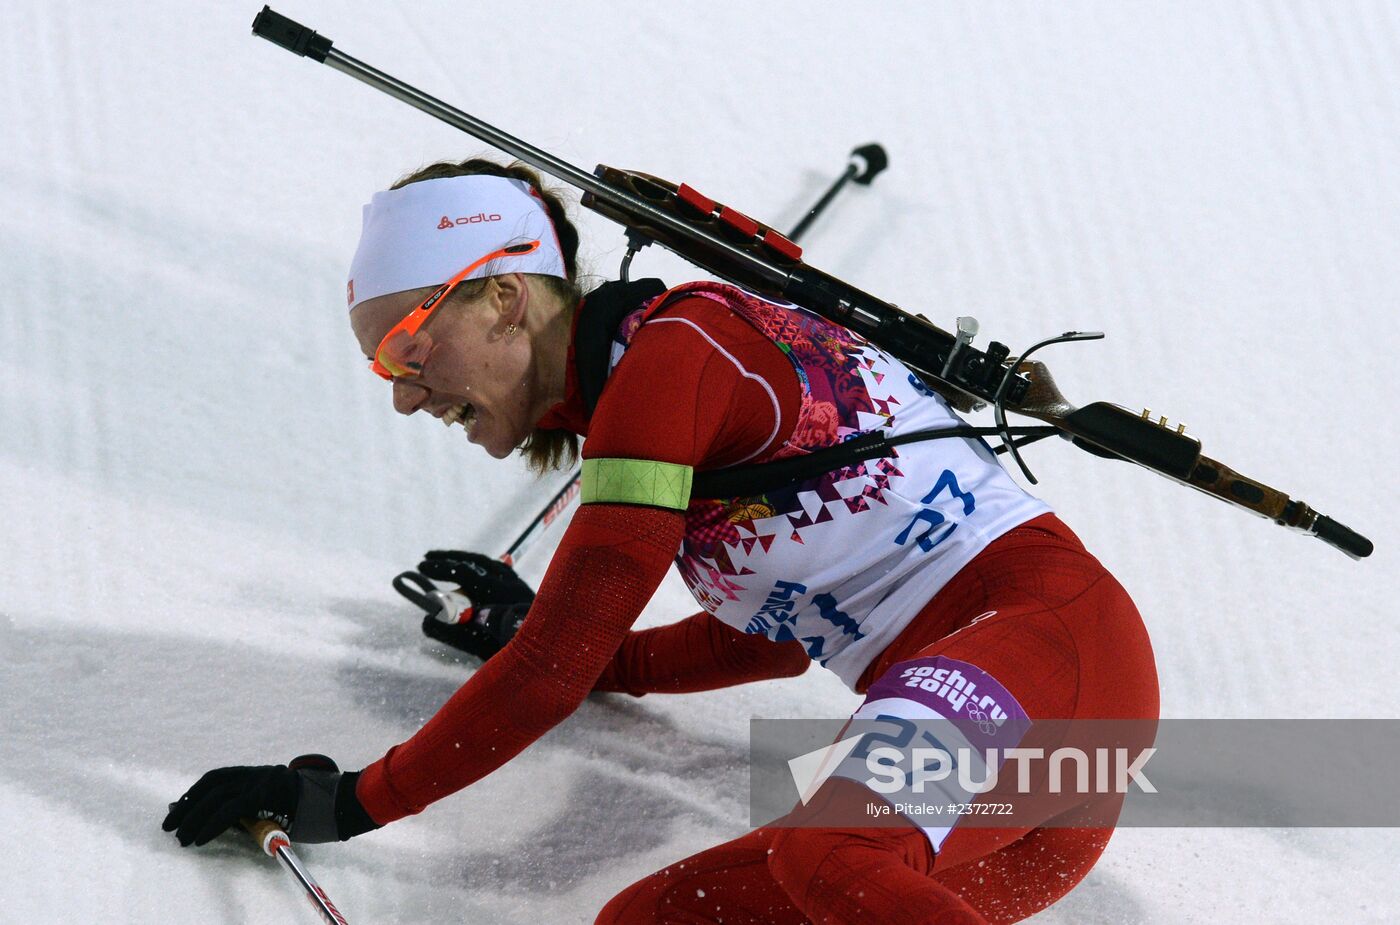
x: 866, y: 163
x: 275, y: 843
x: 557, y: 505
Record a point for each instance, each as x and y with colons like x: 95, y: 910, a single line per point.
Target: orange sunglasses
x: 387, y: 369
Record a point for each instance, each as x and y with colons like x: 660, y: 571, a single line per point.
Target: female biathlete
x: 930, y: 562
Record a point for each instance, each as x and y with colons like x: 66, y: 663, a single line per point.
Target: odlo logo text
x: 479, y: 217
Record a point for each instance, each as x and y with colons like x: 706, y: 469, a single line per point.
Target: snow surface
x: 205, y: 494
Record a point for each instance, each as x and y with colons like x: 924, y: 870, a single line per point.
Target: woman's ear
x: 513, y: 296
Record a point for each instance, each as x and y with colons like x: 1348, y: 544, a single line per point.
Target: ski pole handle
x: 275, y: 843
x: 266, y: 833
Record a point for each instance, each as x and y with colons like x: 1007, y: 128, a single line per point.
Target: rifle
x: 727, y: 243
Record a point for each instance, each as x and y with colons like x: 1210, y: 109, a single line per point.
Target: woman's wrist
x: 351, y: 817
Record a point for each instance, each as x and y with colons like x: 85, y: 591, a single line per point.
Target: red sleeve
x: 697, y: 654
x: 610, y: 561
x: 698, y: 386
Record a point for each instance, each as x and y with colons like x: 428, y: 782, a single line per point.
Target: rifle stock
x: 1114, y: 432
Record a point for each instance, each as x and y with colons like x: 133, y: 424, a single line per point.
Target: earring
x: 511, y: 329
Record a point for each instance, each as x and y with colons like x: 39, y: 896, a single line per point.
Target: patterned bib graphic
x: 843, y: 560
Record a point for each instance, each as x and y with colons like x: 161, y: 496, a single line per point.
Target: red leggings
x: 1066, y: 641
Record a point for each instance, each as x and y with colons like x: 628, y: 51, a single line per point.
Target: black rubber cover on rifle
x: 1120, y: 432
x: 1343, y: 537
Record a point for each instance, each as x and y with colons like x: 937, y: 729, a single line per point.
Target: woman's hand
x: 310, y: 799
x: 499, y: 601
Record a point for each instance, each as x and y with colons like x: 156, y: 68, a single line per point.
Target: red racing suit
x: 1054, y: 634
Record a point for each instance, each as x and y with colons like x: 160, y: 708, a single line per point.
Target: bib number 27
x: 931, y: 518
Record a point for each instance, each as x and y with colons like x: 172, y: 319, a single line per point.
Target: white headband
x: 425, y: 233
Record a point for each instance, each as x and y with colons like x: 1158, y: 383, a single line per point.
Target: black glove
x: 310, y: 799
x: 496, y: 600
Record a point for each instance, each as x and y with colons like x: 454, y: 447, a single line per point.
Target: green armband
x: 636, y: 481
